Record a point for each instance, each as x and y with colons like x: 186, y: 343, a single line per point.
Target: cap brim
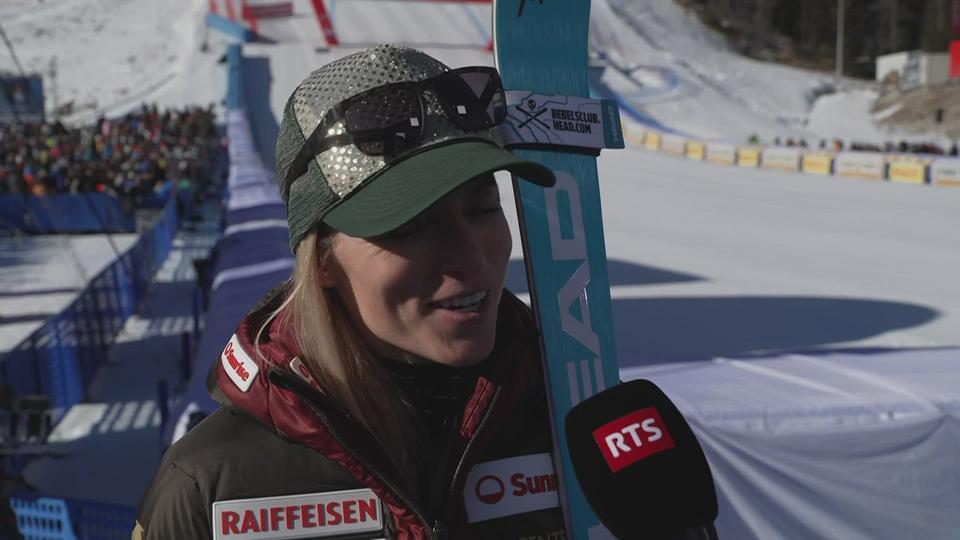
x: 406, y: 188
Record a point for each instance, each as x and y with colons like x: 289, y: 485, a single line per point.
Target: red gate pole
x: 326, y: 25
x: 248, y: 16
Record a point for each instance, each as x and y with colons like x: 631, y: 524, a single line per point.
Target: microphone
x: 640, y: 466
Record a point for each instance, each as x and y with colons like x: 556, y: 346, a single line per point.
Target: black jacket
x: 277, y: 460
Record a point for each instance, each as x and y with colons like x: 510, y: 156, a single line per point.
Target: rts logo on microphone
x: 633, y: 437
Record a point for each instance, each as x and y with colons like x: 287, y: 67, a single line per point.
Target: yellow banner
x: 907, y: 172
x: 651, y: 140
x: 748, y: 157
x: 695, y: 150
x: 817, y: 163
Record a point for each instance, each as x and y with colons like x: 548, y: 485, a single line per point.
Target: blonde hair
x: 337, y: 357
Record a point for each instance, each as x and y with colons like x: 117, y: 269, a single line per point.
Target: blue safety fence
x: 64, y: 213
x: 251, y: 257
x: 68, y: 213
x: 49, y: 518
x: 61, y: 358
x: 234, y: 77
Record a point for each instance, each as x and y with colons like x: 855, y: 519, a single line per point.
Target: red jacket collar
x: 296, y: 409
x: 512, y: 366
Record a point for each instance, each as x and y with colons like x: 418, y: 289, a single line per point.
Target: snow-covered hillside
x: 111, y: 55
x: 669, y: 65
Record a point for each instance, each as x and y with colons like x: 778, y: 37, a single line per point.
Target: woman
x: 391, y: 388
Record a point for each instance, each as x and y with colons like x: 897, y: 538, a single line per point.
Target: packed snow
x: 110, y: 56
x: 40, y: 276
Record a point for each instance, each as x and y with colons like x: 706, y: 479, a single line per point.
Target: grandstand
x: 804, y: 323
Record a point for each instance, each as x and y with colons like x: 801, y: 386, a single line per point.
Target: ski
x: 541, y: 52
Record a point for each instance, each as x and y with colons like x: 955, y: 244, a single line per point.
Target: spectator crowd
x: 837, y: 145
x: 130, y: 157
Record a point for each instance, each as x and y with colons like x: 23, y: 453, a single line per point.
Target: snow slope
x: 666, y: 63
x: 113, y: 55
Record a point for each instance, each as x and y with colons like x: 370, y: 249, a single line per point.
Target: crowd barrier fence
x: 866, y: 165
x: 898, y: 168
x: 721, y: 153
x: 945, y: 172
x: 784, y: 159
x: 61, y: 358
x: 673, y: 144
x: 50, y: 518
x: 748, y: 156
x: 65, y: 213
x: 696, y: 150
x: 907, y: 171
x: 817, y: 163
x: 78, y: 213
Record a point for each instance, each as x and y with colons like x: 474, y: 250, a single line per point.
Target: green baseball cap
x: 366, y: 196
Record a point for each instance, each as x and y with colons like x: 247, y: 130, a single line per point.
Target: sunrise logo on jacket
x: 239, y: 366
x: 311, y: 515
x: 511, y: 486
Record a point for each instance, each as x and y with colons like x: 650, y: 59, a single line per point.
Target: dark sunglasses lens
x: 475, y: 98
x: 386, y: 121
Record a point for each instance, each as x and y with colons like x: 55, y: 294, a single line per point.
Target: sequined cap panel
x: 346, y: 167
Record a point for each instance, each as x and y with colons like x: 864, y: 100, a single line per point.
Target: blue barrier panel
x: 46, y: 518
x: 88, y: 351
x: 60, y: 374
x: 18, y: 369
x: 234, y: 79
x: 158, y: 199
x: 12, y: 213
x: 231, y: 28
x: 99, y: 521
x: 65, y: 213
x: 62, y: 357
x: 43, y: 518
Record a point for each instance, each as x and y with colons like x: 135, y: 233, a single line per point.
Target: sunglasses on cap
x: 388, y: 119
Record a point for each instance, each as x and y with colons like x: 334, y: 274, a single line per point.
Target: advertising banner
x: 674, y: 144
x: 817, y: 163
x: 907, y: 171
x: 945, y: 172
x: 722, y: 153
x: 21, y: 100
x: 651, y: 140
x: 859, y: 165
x: 696, y: 150
x: 748, y: 156
x: 784, y: 159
